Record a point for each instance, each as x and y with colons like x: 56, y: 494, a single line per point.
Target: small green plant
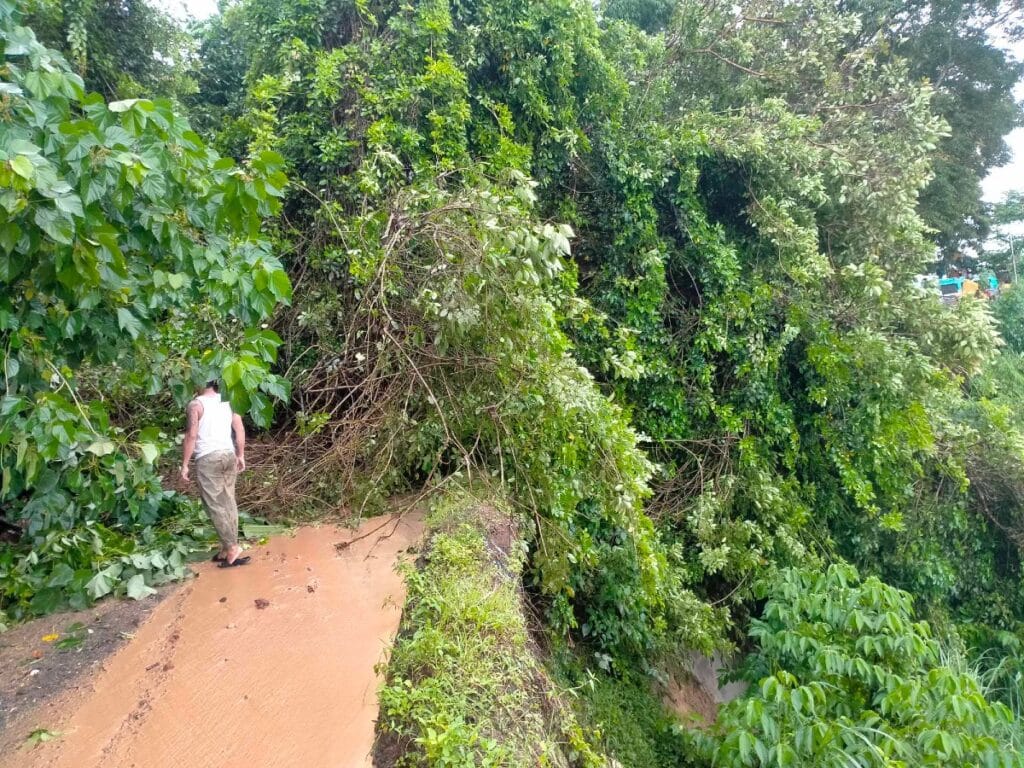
x: 41, y: 736
x: 72, y: 637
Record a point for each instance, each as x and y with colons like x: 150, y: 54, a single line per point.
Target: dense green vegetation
x: 649, y: 269
x: 119, y: 225
x: 843, y: 675
x: 120, y: 48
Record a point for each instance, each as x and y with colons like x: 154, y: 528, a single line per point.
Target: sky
x: 1009, y: 177
x: 999, y: 182
x: 198, y: 9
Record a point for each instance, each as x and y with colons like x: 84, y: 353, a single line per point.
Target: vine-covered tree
x: 120, y: 48
x: 743, y: 184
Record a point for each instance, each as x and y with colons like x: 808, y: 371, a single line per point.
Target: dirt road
x: 270, y: 665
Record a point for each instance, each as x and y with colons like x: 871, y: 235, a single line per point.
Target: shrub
x: 1009, y: 311
x: 843, y: 675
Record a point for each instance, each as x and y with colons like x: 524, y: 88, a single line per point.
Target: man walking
x: 217, y: 438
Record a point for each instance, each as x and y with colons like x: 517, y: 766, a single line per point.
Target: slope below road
x: 270, y: 665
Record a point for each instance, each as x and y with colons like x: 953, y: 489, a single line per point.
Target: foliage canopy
x: 651, y: 269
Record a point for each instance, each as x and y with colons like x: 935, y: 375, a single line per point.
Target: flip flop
x: 238, y: 561
x: 217, y: 558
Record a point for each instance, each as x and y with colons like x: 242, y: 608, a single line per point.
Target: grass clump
x: 464, y: 687
x: 624, y: 711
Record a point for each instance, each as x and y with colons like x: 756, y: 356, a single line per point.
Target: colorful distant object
x: 952, y: 289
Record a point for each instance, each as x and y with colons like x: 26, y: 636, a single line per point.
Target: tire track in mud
x: 132, y: 722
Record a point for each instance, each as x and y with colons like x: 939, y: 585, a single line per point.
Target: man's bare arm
x: 239, y: 434
x: 193, y: 413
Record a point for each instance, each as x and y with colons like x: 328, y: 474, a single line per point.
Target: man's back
x: 214, y: 433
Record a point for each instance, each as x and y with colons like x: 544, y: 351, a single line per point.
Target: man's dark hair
x: 213, y: 384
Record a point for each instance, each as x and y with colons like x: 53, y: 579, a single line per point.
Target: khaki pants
x: 215, y: 474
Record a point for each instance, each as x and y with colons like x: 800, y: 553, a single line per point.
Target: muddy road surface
x: 269, y: 665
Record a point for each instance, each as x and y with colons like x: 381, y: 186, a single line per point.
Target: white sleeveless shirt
x: 214, y: 426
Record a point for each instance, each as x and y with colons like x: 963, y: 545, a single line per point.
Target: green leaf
x: 11, y: 405
x: 47, y: 600
x: 122, y: 106
x: 232, y: 374
x: 128, y: 322
x: 261, y: 409
x: 70, y: 204
x: 57, y: 224
x: 796, y: 700
x: 9, y: 236
x: 101, y: 447
x: 746, y: 746
x: 263, y: 343
x: 140, y: 560
x: 11, y: 368
x: 270, y: 159
x: 762, y: 751
x: 62, y: 575
x: 99, y: 585
x: 150, y: 452
x: 280, y: 285
x: 22, y: 166
x: 137, y: 588
x: 49, y: 184
x: 278, y: 387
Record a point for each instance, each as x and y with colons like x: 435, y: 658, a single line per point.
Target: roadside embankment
x: 464, y: 683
